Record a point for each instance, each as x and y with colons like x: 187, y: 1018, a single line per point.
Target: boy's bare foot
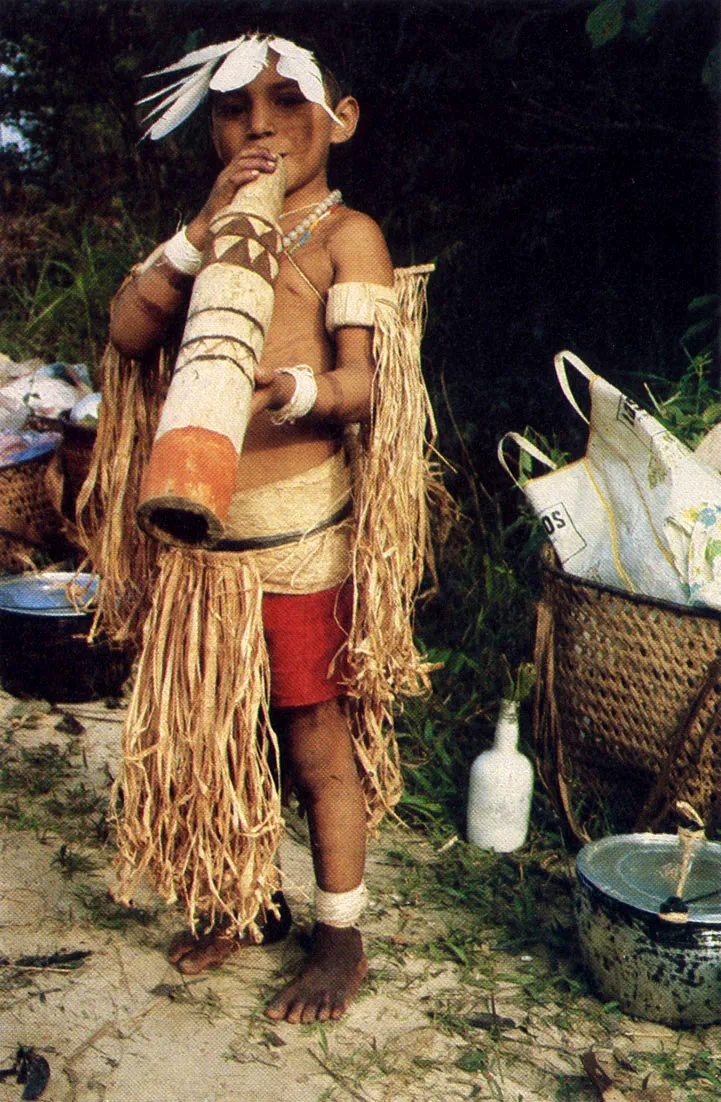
x: 192, y: 954
x: 329, y: 982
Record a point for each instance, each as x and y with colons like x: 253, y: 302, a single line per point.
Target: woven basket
x: 76, y: 451
x: 66, y: 473
x: 27, y: 517
x: 628, y: 704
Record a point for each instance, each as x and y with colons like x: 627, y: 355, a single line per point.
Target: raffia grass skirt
x: 197, y: 805
x: 176, y: 807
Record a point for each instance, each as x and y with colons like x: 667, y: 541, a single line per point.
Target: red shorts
x: 305, y: 633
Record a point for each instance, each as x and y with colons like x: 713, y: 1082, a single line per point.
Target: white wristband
x: 304, y: 395
x: 183, y: 255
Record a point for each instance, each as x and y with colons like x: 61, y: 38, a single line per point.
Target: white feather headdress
x: 225, y: 67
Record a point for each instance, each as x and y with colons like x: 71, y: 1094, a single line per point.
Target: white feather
x: 184, y: 104
x: 245, y: 59
x: 285, y: 48
x: 241, y: 66
x: 161, y: 91
x: 298, y: 64
x: 175, y: 92
x: 181, y: 88
x: 199, y: 57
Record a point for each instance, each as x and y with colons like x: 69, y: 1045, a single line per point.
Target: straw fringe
x: 133, y: 396
x: 394, y: 480
x: 197, y: 803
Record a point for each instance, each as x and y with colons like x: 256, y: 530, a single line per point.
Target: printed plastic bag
x: 639, y: 510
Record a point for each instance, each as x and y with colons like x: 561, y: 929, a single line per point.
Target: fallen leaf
x: 38, y: 1076
x: 491, y: 1021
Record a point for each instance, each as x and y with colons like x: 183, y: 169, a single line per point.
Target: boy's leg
x: 319, y: 750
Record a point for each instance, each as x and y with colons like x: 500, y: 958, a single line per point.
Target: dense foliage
x: 557, y: 158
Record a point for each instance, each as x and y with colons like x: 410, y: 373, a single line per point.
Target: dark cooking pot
x: 659, y: 970
x: 44, y: 649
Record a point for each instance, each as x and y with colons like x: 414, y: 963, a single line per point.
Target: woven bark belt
x: 628, y: 704
x: 259, y: 543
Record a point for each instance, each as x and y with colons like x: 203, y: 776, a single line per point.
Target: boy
x: 316, y: 376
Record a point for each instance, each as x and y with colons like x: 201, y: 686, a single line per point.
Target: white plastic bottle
x: 500, y: 789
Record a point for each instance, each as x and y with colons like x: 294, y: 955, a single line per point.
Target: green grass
x: 492, y: 575
x: 100, y: 909
x: 33, y: 772
x: 55, y: 285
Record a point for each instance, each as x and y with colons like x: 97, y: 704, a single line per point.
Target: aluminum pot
x: 662, y: 971
x: 44, y: 649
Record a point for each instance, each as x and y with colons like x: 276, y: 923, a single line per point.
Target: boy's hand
x: 271, y: 391
x: 245, y: 167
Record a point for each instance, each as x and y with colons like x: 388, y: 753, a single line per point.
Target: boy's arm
x: 144, y: 308
x: 359, y: 254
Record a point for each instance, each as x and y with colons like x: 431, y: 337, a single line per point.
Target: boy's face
x: 273, y: 113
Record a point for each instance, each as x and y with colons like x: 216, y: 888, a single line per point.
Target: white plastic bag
x: 639, y: 510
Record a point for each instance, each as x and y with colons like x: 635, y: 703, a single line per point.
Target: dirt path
x: 444, y: 1015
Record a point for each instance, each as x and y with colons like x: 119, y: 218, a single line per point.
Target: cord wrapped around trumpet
x: 190, y: 477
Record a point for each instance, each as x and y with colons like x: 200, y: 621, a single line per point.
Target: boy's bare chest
x: 297, y: 332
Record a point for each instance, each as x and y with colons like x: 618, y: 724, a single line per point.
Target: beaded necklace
x: 300, y: 233
x: 296, y: 210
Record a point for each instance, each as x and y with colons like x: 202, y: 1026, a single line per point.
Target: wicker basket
x: 65, y: 475
x: 27, y: 517
x: 628, y: 704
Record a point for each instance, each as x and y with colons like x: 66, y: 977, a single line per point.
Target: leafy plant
x: 611, y: 19
x: 484, y: 656
x: 70, y: 862
x: 694, y: 406
x: 59, y: 309
x: 103, y: 911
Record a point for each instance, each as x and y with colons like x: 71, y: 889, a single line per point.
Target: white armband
x: 182, y: 254
x: 355, y: 304
x: 304, y: 396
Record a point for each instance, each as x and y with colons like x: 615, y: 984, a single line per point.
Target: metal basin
x: 654, y: 969
x: 44, y: 649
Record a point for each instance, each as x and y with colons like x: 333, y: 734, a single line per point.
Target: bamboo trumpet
x: 190, y: 478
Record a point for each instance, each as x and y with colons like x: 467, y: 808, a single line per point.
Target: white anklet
x: 182, y: 254
x: 340, y: 908
x: 304, y: 396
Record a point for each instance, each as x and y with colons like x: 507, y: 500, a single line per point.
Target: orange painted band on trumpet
x: 188, y: 486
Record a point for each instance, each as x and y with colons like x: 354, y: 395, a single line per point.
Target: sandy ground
x: 124, y: 1026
